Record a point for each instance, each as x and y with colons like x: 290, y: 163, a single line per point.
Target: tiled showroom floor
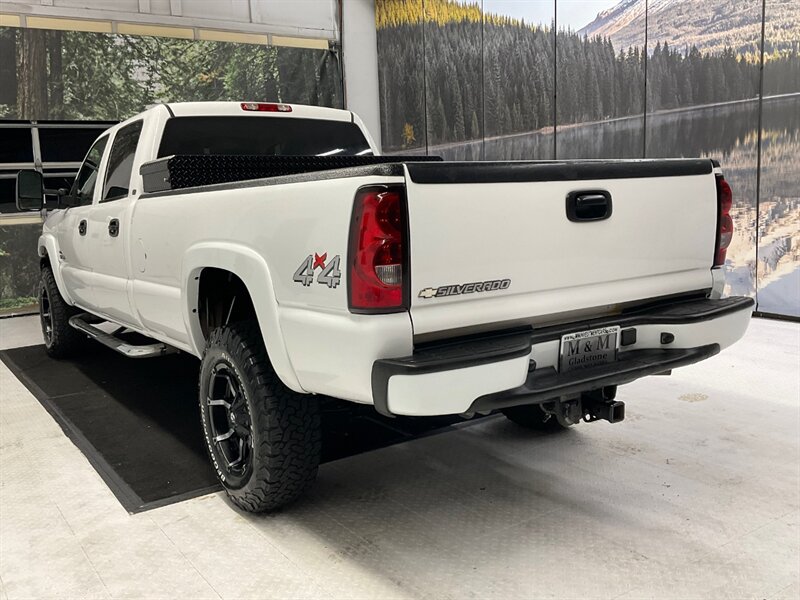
x: 695, y: 495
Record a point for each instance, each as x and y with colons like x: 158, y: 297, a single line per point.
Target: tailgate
x: 494, y: 243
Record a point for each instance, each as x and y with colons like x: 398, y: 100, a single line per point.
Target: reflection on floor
x: 695, y: 495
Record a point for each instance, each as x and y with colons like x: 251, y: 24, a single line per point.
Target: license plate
x: 588, y: 348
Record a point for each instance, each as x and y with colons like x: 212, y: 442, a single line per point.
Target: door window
x: 120, y: 162
x: 86, y: 179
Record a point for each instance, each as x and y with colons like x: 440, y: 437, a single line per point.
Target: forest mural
x: 538, y: 79
x: 81, y: 75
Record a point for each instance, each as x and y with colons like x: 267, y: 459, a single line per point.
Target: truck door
x: 108, y: 221
x: 73, y: 230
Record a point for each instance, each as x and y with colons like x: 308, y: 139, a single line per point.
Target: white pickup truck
x: 272, y: 242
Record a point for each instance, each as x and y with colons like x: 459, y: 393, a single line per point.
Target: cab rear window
x: 269, y: 136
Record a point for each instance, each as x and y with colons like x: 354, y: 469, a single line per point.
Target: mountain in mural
x: 711, y: 25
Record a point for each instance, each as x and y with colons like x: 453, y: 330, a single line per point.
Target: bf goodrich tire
x: 531, y: 416
x: 60, y: 339
x: 264, y: 440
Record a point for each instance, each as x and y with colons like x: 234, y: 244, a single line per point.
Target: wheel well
x: 44, y: 260
x: 222, y: 299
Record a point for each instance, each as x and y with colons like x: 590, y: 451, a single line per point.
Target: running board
x: 82, y: 323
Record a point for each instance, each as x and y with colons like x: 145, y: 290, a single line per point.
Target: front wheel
x: 61, y: 340
x: 263, y: 439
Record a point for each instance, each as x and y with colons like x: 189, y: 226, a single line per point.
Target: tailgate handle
x: 588, y: 205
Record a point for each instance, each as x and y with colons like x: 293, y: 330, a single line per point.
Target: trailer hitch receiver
x: 600, y: 404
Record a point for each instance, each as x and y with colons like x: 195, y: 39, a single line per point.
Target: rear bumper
x: 521, y: 367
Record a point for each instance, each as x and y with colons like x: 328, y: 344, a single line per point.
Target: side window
x: 86, y: 180
x: 120, y: 162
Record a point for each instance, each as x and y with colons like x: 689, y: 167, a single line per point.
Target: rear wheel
x: 264, y: 440
x: 532, y: 416
x: 60, y: 339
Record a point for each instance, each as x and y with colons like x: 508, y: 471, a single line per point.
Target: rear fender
x: 252, y: 269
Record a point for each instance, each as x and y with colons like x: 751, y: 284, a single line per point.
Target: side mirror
x: 30, y: 190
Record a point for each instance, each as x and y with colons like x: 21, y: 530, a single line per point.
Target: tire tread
x: 287, y: 459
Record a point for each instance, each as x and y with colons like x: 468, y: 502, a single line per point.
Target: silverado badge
x: 465, y: 288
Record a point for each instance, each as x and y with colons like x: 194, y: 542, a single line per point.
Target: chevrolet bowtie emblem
x: 427, y: 293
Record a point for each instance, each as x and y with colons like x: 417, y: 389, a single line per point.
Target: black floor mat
x: 138, y: 424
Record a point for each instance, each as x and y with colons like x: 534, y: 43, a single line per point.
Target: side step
x: 85, y: 322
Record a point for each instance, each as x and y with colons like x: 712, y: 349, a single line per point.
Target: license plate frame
x: 588, y: 348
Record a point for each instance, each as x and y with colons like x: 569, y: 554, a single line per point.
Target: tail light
x: 378, y: 260
x: 724, y: 220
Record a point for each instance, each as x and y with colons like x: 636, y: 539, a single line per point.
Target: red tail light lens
x: 724, y: 221
x: 378, y: 259
x: 265, y: 107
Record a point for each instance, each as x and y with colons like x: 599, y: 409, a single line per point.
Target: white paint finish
x: 70, y: 252
x: 160, y: 309
x: 332, y: 353
x: 659, y: 240
x: 452, y: 392
x: 563, y: 304
x: 725, y: 331
x: 48, y: 247
x: 109, y: 258
x: 690, y: 499
x: 252, y: 269
x: 360, y: 52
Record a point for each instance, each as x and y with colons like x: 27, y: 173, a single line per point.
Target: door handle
x: 588, y: 205
x: 82, y: 227
x: 113, y: 227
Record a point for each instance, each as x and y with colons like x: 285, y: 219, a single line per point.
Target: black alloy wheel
x: 45, y: 314
x: 229, y: 424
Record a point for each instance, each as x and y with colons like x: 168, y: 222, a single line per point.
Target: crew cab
x: 273, y: 242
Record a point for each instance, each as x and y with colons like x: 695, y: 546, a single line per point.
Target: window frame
x: 74, y: 190
x: 137, y: 123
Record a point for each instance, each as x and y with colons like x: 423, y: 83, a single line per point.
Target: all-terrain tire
x: 531, y: 416
x: 284, y: 427
x: 60, y: 339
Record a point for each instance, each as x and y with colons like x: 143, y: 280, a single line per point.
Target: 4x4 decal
x: 329, y: 275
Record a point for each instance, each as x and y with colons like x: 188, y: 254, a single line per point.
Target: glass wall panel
x: 600, y: 79
x: 401, y: 75
x: 453, y: 82
x: 779, y: 206
x: 518, y: 79
x: 19, y: 267
x: 702, y: 100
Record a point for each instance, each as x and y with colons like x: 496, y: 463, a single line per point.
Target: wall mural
x: 534, y: 79
x: 90, y: 76
x: 81, y: 75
